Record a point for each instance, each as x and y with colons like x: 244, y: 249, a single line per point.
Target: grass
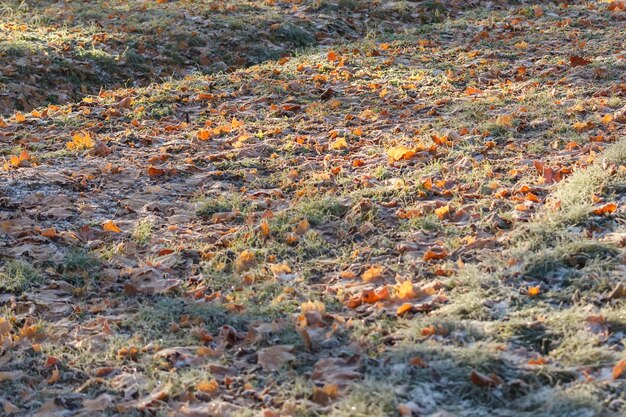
x: 16, y: 276
x: 143, y: 230
x: 456, y: 278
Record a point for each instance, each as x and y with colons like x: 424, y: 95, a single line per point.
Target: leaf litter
x: 295, y: 233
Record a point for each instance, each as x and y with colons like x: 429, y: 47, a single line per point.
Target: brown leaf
x: 338, y: 371
x: 483, y: 380
x: 325, y: 394
x: 274, y: 357
x: 577, y: 61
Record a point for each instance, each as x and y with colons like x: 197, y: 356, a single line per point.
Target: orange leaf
x: 371, y: 297
x: 204, y: 134
x: 429, y: 331
x: 618, y: 369
x: 472, y: 91
x: 439, y: 253
x: 606, y: 209
x: 110, y: 226
x: 417, y: 361
x: 537, y: 361
x: 534, y: 291
x: 332, y: 56
x: 209, y: 387
x: 404, y: 308
x: 49, y: 232
x: 155, y: 172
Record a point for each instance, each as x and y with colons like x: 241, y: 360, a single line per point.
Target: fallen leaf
x: 110, y: 226
x: 245, y: 261
x: 399, y: 153
x: 372, y: 273
x: 482, y: 380
x: 274, y: 357
x: 208, y: 387
x: 605, y: 209
x: 577, y: 61
x: 618, y: 369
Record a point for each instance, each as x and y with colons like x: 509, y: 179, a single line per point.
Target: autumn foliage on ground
x: 427, y: 221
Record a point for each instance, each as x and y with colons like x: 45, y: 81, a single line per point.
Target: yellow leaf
x: 373, y: 273
x: 81, y: 140
x: 584, y: 126
x: 339, y: 143
x: 20, y: 118
x: 236, y: 123
x: 245, y: 261
x: 400, y: 152
x: 521, y: 45
x: 443, y: 212
x: 280, y: 269
x: 405, y: 291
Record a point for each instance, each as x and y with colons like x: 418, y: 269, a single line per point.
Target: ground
x: 425, y: 221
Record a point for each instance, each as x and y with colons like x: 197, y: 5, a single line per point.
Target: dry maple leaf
x: 19, y: 160
x: 80, y: 141
x: 338, y: 371
x: 155, y: 172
